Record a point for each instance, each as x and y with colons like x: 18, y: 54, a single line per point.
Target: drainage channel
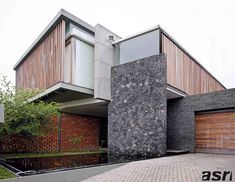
x: 16, y: 171
x: 20, y: 173
x: 111, y: 160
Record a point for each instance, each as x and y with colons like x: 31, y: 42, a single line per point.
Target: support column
x: 137, y: 111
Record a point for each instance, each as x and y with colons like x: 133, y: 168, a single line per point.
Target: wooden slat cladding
x: 43, y: 67
x: 184, y: 73
x: 215, y: 132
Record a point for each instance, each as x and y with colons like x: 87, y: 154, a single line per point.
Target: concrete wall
x: 137, y: 111
x: 181, y: 116
x: 104, y: 60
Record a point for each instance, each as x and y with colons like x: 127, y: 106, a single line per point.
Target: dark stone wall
x: 181, y: 116
x: 137, y: 111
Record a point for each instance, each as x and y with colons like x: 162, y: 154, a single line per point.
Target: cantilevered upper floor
x: 184, y: 72
x: 71, y: 60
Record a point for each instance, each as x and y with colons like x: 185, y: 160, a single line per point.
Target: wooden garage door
x: 215, y: 132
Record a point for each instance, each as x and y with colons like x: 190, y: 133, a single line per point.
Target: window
x: 84, y: 64
x: 138, y: 47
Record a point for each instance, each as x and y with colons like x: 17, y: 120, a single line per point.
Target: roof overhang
x: 62, y: 92
x: 89, y: 106
x: 173, y: 93
x: 136, y: 34
x: 62, y: 14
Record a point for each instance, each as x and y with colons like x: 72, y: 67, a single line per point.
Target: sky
x: 205, y: 28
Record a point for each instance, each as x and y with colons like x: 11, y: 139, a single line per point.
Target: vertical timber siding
x: 215, y: 132
x: 43, y: 67
x: 184, y: 73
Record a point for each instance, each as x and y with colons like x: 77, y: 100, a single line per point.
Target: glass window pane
x: 84, y: 75
x: 142, y: 46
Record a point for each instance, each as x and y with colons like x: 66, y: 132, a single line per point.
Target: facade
x: 133, y: 86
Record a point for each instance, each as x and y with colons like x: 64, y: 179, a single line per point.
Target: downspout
x: 59, y: 133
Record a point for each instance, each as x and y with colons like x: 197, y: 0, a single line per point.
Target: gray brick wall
x: 137, y: 111
x: 181, y: 116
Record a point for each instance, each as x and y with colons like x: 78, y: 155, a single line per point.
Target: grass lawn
x: 4, y: 173
x: 51, y: 154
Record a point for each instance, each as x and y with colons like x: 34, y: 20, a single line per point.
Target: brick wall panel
x: 72, y: 126
x: 75, y: 127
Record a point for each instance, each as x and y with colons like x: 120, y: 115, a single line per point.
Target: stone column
x: 137, y: 111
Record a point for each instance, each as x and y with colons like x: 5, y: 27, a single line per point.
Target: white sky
x: 205, y: 28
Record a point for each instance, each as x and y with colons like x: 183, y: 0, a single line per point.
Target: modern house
x: 141, y: 94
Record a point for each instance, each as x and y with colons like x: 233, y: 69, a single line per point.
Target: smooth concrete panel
x: 104, y: 60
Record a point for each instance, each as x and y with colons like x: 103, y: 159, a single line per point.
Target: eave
x: 62, y: 14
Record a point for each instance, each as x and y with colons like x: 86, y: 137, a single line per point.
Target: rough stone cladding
x: 77, y: 133
x: 181, y: 116
x: 137, y: 111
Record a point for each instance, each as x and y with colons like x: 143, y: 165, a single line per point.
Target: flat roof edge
x: 174, y: 41
x: 62, y: 14
x: 176, y: 90
x: 62, y: 85
x: 98, y: 24
x: 87, y: 101
x: 136, y: 34
x: 189, y: 54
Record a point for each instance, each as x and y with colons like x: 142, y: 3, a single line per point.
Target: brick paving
x: 182, y: 168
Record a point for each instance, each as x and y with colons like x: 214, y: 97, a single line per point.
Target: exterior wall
x: 137, y: 111
x: 104, y: 60
x: 184, y: 73
x: 17, y: 144
x: 77, y: 133
x: 43, y: 67
x: 181, y: 116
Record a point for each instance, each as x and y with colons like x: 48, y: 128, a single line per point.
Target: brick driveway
x: 180, y: 168
x: 187, y: 167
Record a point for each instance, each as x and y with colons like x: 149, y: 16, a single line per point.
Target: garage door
x: 215, y: 132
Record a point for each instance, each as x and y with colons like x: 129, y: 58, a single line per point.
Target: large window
x: 84, y: 64
x: 79, y: 57
x: 138, y: 47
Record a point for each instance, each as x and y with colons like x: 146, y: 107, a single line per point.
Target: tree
x: 22, y: 117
